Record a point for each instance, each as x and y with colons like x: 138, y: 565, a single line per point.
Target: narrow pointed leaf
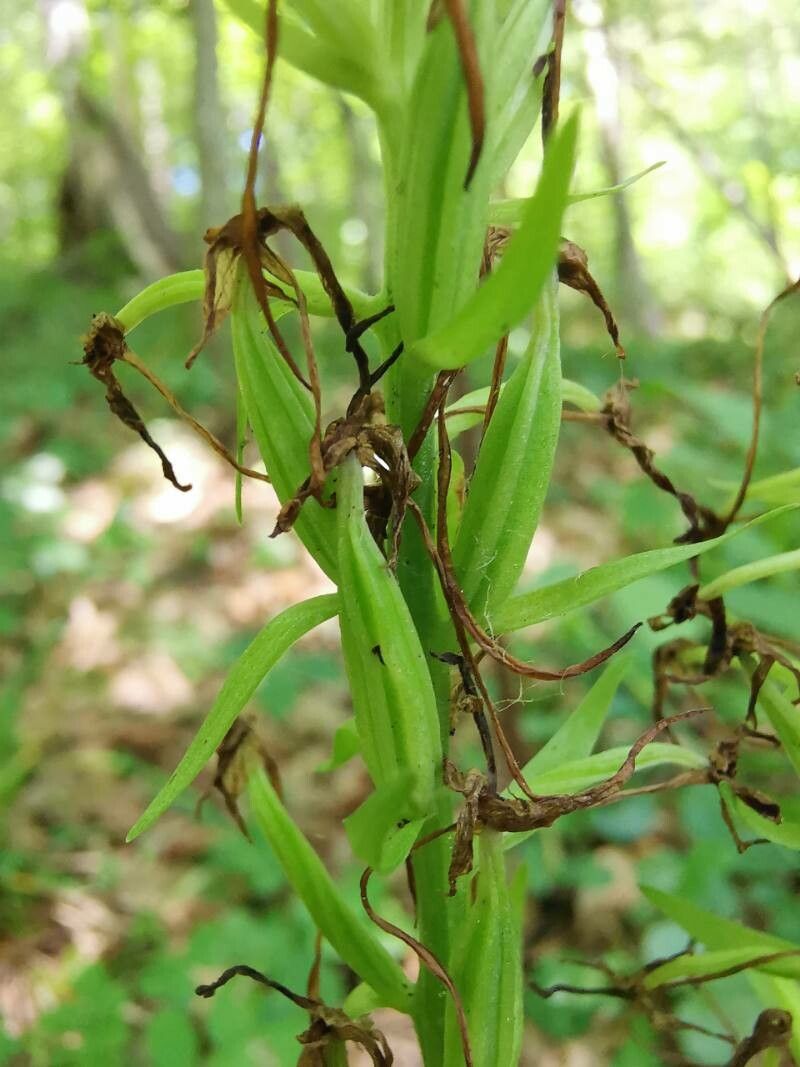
x: 751, y: 572
x: 260, y: 656
x: 578, y: 735
x: 782, y: 713
x: 308, y: 877
x: 786, y: 832
x: 579, y: 774
x: 459, y: 420
x: 509, y: 293
x: 489, y: 551
x: 717, y: 933
x: 704, y: 964
x: 561, y: 597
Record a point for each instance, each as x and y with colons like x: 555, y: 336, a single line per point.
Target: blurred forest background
x: 123, y: 135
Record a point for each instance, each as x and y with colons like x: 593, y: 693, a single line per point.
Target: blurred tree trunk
x: 209, y: 117
x: 105, y: 181
x: 637, y: 304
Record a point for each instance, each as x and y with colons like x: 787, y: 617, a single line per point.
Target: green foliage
x: 260, y: 656
x: 135, y: 1004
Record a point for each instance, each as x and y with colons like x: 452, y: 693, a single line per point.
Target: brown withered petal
x: 233, y: 756
x: 573, y: 270
x: 221, y: 266
x: 759, y: 803
x: 103, y: 345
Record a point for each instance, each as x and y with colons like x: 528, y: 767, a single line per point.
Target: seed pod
x: 487, y: 968
x: 507, y: 490
x: 281, y: 414
x: 393, y: 698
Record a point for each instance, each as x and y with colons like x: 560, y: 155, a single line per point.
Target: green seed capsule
x: 393, y: 698
x: 281, y: 414
x: 487, y: 969
x: 508, y: 488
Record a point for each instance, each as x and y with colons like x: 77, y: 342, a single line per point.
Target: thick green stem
x: 436, y: 912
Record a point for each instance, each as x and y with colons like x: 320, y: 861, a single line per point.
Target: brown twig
x: 498, y: 367
x: 703, y: 522
x: 444, y: 379
x: 552, y: 81
x: 773, y: 1029
x: 758, y: 364
x: 425, y: 956
x: 214, y: 442
x: 250, y: 222
x: 473, y: 80
x: 328, y: 1026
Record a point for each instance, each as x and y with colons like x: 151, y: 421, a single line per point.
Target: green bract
x: 510, y: 292
x: 393, y: 698
x: 513, y: 470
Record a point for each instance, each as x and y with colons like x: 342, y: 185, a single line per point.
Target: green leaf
x: 751, y: 572
x: 717, y: 933
x: 373, y: 830
x: 577, y: 775
x: 501, y: 513
x: 783, y: 993
x: 526, y: 32
x: 345, y: 745
x: 393, y: 697
x: 578, y: 734
x: 487, y: 967
x: 782, y: 713
x: 561, y: 597
x: 786, y: 832
x: 280, y: 412
x: 703, y: 964
x: 509, y: 293
x: 183, y: 288
x: 783, y: 488
x: 510, y: 212
x: 437, y: 227
x: 260, y: 656
x: 459, y: 420
x: 314, y: 55
x: 352, y: 940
